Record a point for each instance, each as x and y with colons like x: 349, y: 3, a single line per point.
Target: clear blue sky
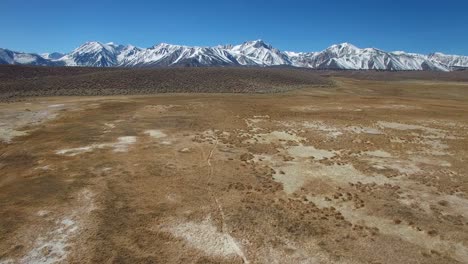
x: 410, y: 25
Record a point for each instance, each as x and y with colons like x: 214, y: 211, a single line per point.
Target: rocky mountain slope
x: 251, y: 53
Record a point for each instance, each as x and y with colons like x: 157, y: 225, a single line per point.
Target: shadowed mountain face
x: 252, y: 53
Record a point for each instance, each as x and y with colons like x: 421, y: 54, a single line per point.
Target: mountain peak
x: 344, y: 45
x: 91, y: 43
x: 258, y: 43
x: 90, y: 46
x: 250, y: 53
x: 165, y: 45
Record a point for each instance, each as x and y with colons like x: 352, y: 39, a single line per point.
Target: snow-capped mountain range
x: 251, y: 53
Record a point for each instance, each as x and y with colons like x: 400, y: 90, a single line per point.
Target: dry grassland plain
x: 360, y: 171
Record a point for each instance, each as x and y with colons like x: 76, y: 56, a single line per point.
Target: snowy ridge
x: 13, y: 57
x: 251, y: 53
x: 449, y: 60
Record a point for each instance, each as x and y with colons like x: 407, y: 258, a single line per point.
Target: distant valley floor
x: 23, y: 81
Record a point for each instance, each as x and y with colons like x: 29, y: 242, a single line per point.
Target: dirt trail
x: 224, y: 226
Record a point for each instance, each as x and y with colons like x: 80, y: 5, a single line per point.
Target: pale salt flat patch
x: 309, y: 152
x: 397, y: 140
x: 172, y: 197
x: 363, y: 130
x: 308, y: 108
x: 332, y: 132
x: 109, y: 125
x: 378, y: 153
x: 46, y: 167
x: 400, y: 126
x: 425, y: 197
x: 251, y: 121
x: 274, y: 136
x: 76, y: 151
x: 185, y: 150
x: 274, y: 255
x: 7, y: 134
x: 251, y: 124
x: 13, y: 120
x: 155, y: 133
x: 433, y: 142
x: 56, y: 105
x: 256, y: 119
x: 261, y: 116
x: 410, y: 201
x: 457, y: 204
x: 53, y: 246
x: 264, y: 158
x: 430, y: 161
x: 401, y: 166
x: 305, y: 108
x: 435, y: 132
x: 43, y: 213
x: 121, y: 145
x: 86, y: 200
x: 329, y: 130
x: 435, y: 147
x: 382, y: 160
x: 296, y: 174
x: 397, y: 106
x: 160, y: 108
x: 287, y: 251
x: 386, y: 226
x: 445, y: 123
x: 292, y: 176
x: 205, y: 237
